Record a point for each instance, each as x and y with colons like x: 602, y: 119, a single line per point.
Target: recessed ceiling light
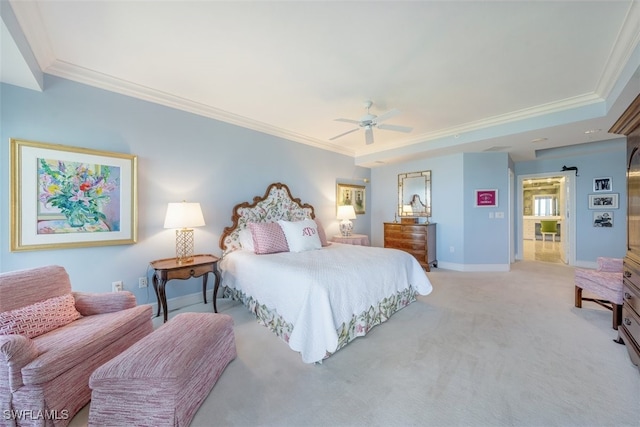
x: 590, y: 131
x: 539, y: 139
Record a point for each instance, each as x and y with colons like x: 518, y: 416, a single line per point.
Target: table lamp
x: 346, y: 213
x: 183, y: 216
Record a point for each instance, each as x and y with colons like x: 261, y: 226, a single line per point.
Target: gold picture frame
x: 348, y: 194
x: 69, y: 197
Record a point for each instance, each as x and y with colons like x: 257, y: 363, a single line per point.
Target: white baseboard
x: 184, y: 301
x: 473, y: 267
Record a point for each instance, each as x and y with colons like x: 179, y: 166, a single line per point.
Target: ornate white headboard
x: 277, y: 203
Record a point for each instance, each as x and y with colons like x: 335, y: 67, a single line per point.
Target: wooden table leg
x: 216, y: 273
x: 204, y: 287
x: 154, y: 280
x: 163, y: 297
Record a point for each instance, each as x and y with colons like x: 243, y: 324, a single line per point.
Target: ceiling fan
x: 369, y: 121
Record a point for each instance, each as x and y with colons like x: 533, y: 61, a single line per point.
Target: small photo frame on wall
x: 603, y: 219
x: 70, y: 197
x: 355, y: 195
x: 603, y: 201
x: 486, y: 198
x: 602, y: 184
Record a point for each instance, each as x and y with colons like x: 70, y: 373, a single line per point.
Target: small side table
x: 168, y: 269
x: 354, y: 239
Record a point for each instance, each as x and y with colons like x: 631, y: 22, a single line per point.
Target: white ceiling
x: 466, y: 75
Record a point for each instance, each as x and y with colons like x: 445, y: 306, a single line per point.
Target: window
x: 545, y: 205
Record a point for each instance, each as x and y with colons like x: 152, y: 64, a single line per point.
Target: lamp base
x: 346, y: 227
x: 184, y: 246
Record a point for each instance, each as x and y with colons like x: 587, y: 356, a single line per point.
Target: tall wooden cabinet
x: 629, y: 332
x: 417, y: 239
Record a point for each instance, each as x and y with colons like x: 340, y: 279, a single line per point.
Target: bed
x: 320, y: 299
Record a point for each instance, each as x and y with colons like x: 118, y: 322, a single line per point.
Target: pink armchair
x: 52, y: 339
x: 605, y: 283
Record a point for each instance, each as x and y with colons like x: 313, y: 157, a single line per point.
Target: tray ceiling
x: 466, y: 75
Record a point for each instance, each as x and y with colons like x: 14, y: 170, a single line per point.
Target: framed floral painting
x: 64, y: 197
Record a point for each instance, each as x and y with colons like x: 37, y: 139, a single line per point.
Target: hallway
x: 538, y: 250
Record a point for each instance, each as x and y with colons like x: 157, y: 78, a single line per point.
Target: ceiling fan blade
x: 347, y: 121
x: 396, y: 128
x: 368, y: 135
x: 343, y: 134
x: 387, y: 115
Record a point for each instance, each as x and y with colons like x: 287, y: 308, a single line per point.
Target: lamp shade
x: 183, y: 215
x: 346, y: 212
x: 407, y: 209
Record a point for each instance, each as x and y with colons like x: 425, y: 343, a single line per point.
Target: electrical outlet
x: 452, y: 249
x: 117, y: 286
x: 142, y: 282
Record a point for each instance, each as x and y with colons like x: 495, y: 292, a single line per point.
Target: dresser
x: 629, y: 331
x: 417, y: 239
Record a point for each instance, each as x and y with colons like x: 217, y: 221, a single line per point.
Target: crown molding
x: 113, y: 84
x: 623, y: 48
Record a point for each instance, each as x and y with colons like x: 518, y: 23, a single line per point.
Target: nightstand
x: 168, y: 269
x: 354, y: 239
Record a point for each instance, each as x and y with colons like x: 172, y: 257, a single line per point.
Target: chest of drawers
x: 629, y: 330
x: 417, y: 239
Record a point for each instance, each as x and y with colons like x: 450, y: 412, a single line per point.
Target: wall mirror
x: 414, y: 194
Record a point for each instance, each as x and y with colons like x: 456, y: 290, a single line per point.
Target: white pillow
x: 246, y: 239
x: 301, y: 235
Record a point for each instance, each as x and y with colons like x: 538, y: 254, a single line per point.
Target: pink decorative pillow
x: 39, y: 318
x: 321, y: 233
x: 268, y: 238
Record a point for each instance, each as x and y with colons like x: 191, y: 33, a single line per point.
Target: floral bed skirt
x: 358, y: 326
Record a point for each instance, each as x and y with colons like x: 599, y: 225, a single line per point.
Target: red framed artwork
x: 487, y: 198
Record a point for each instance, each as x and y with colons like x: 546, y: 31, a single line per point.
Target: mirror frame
x: 426, y: 175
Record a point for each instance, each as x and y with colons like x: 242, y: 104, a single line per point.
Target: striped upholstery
x: 51, y: 372
x: 170, y: 371
x: 605, y: 282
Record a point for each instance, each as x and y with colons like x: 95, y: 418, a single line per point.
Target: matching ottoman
x: 163, y: 379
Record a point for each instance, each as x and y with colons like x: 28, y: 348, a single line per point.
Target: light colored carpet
x: 484, y: 349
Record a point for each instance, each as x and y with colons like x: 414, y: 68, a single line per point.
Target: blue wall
x: 467, y: 239
x: 181, y: 156
x: 481, y: 243
x: 486, y: 234
x: 604, y: 159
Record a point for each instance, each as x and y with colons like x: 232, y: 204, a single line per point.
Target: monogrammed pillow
x: 39, y: 318
x: 268, y: 238
x: 301, y: 235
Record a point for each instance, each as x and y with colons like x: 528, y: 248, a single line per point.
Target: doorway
x: 543, y: 198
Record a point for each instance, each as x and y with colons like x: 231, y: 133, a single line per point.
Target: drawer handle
x: 627, y: 273
x: 627, y: 295
x: 627, y: 321
x: 192, y: 272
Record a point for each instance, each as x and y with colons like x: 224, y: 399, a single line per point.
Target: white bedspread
x: 317, y: 291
